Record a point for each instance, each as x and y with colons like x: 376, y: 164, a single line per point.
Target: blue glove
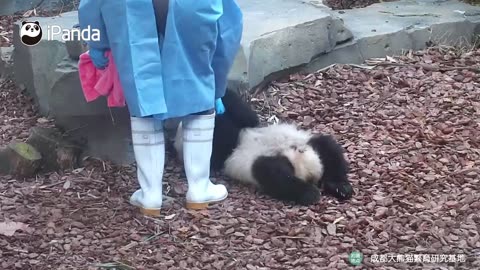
x: 219, y: 108
x: 98, y: 58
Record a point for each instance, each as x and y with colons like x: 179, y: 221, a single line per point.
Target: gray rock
x: 471, y: 13
x: 66, y: 97
x: 6, y: 64
x: 106, y: 136
x: 35, y: 66
x: 75, y: 48
x: 8, y: 7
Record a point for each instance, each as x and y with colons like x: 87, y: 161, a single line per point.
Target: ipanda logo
x: 31, y: 33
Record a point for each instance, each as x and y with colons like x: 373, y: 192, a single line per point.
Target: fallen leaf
x: 338, y: 220
x: 67, y: 184
x: 10, y: 227
x: 78, y: 170
x: 42, y: 120
x: 170, y: 216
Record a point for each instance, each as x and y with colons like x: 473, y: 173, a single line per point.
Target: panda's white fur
x: 284, y: 139
x: 278, y: 139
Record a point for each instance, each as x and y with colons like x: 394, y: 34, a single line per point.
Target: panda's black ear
x: 24, y: 22
x: 37, y: 23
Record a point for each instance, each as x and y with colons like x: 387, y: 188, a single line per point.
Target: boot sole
x: 150, y: 212
x: 201, y: 205
x: 154, y: 212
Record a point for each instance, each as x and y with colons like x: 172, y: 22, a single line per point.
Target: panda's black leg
x: 276, y: 178
x: 225, y: 139
x: 239, y: 111
x: 335, y: 177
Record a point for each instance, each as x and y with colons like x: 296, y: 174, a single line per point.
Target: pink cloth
x: 96, y: 82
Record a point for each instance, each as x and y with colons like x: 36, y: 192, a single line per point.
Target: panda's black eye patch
x: 36, y: 27
x: 28, y: 27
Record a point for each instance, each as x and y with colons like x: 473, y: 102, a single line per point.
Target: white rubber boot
x: 149, y: 148
x: 197, y: 151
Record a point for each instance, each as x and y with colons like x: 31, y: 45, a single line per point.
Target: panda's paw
x: 310, y: 196
x: 342, y: 191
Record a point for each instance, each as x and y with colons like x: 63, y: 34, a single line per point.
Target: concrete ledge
x: 280, y: 35
x: 395, y: 27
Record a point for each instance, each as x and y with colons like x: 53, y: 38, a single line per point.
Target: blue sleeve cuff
x: 90, y: 17
x: 219, y: 107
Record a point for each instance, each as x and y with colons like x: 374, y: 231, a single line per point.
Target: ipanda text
x: 75, y: 34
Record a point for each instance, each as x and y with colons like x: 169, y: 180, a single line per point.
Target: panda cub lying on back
x: 284, y: 162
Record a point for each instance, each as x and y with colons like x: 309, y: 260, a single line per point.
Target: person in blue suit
x: 173, y: 57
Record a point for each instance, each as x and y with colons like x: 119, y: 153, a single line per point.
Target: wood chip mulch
x: 411, y: 130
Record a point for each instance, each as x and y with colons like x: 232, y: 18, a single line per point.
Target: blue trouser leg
x: 230, y: 27
x: 207, y: 112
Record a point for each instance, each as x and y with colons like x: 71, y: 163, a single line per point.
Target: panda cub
x: 284, y: 162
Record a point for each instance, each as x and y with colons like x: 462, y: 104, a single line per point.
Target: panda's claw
x: 341, y: 191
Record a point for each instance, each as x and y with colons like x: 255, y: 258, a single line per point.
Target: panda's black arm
x: 335, y: 176
x: 239, y: 111
x: 276, y: 178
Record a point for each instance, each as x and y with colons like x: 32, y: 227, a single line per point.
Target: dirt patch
x: 351, y: 4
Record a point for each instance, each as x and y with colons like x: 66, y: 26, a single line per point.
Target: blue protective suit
x: 183, y: 73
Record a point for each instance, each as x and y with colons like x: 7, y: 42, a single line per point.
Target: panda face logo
x: 31, y: 33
